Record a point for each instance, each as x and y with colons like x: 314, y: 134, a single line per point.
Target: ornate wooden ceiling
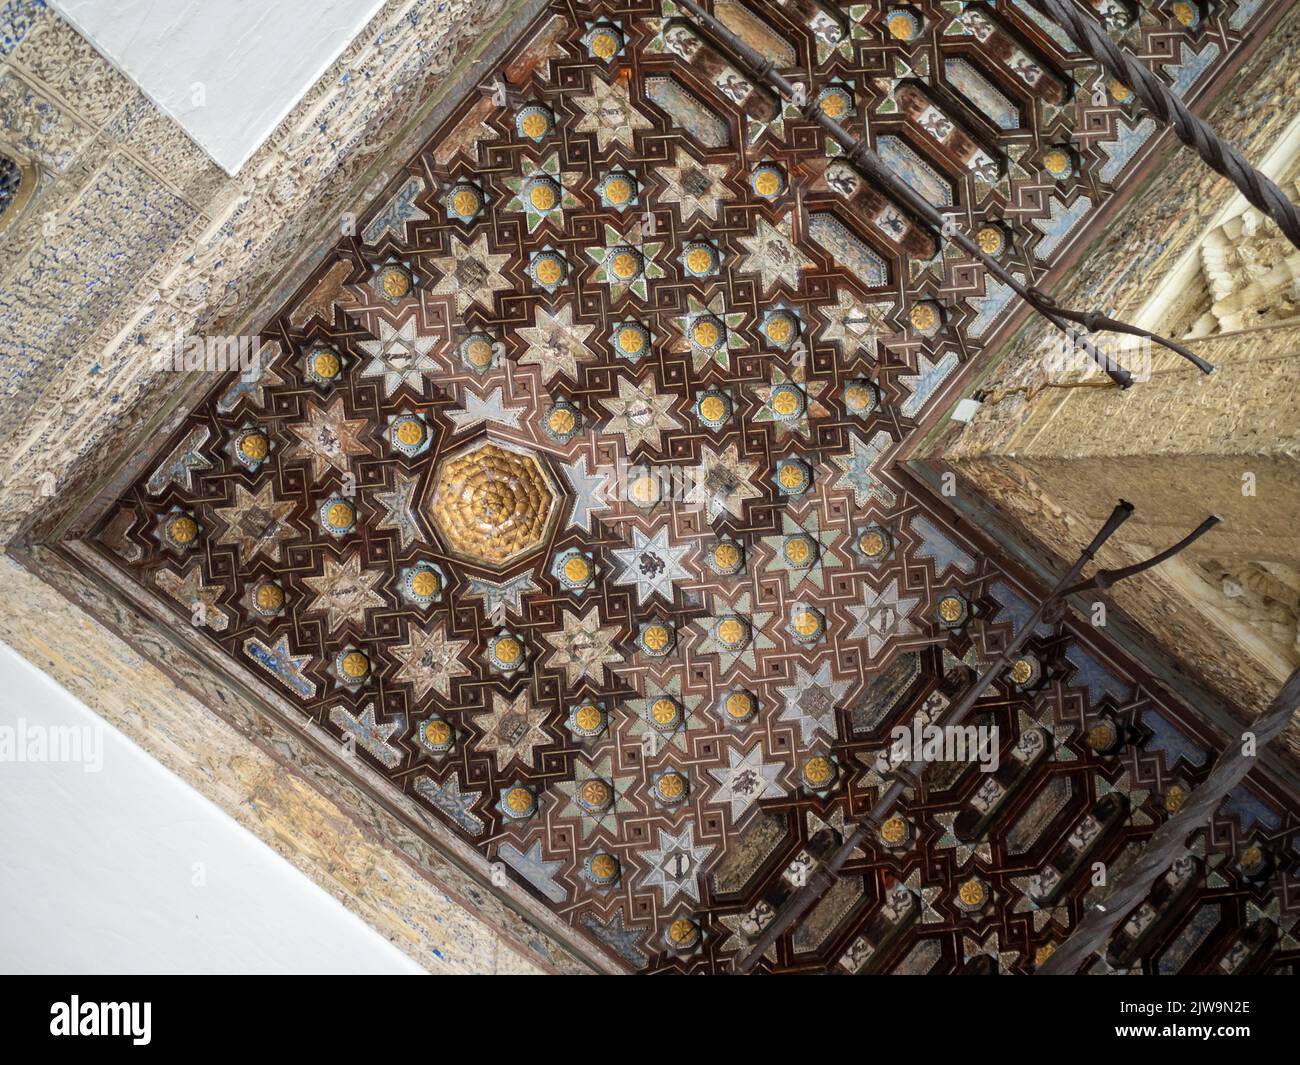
x: 564, y: 499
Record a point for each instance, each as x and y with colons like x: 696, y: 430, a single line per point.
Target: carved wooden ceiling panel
x: 564, y: 498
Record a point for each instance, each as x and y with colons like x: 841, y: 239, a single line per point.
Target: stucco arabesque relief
x: 1239, y: 271
x: 242, y: 233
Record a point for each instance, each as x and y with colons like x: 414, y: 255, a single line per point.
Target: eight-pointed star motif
x: 812, y: 699
x: 428, y: 660
x: 511, y: 730
x: 857, y: 469
x: 556, y: 343
x: 588, y: 490
x: 329, y: 438
x: 610, y: 113
x: 399, y: 509
x: 745, y: 780
x: 471, y: 273
x: 855, y: 322
x: 501, y: 596
x: 676, y: 864
x: 640, y: 414
x: 480, y: 409
x: 582, y: 648
x: 773, y: 254
x: 652, y: 563
x: 344, y: 591
x: 400, y: 357
x: 256, y: 523
x: 884, y: 614
x: 810, y: 406
x: 723, y: 482
x: 697, y: 187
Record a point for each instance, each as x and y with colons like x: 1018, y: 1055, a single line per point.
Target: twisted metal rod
x: 1051, y: 609
x: 1092, y: 40
x: 825, y: 875
x: 859, y: 152
x: 1105, y: 578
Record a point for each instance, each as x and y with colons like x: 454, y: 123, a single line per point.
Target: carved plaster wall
x: 298, y: 821
x: 123, y: 234
x: 139, y: 236
x: 1187, y: 258
x: 292, y: 194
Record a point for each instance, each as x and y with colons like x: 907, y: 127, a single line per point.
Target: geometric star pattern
x: 430, y: 661
x: 745, y: 780
x: 399, y: 357
x: 674, y: 866
x: 512, y: 730
x: 702, y: 617
x: 652, y: 564
x: 344, y: 592
x: 329, y: 438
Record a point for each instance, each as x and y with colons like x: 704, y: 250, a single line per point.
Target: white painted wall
x: 253, y: 58
x: 97, y: 868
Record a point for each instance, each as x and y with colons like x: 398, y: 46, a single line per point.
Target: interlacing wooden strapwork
x: 565, y: 497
